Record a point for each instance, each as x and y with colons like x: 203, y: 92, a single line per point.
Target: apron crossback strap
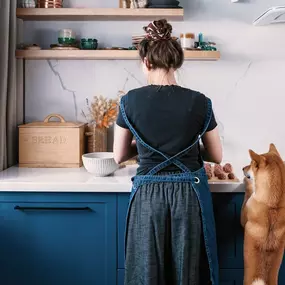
x: 174, y: 159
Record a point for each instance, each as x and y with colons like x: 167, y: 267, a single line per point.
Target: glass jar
x: 187, y: 40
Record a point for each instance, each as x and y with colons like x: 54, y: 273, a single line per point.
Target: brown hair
x: 159, y: 48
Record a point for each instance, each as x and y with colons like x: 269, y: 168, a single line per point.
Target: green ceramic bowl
x: 88, y: 44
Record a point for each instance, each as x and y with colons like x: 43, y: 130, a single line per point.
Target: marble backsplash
x: 246, y: 85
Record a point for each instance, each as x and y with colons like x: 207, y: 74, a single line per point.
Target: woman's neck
x: 161, y: 77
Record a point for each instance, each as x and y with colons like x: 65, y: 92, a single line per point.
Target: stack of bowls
x: 163, y: 4
x: 49, y: 4
x: 137, y: 39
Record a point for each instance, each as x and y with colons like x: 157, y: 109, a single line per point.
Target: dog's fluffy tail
x: 258, y: 282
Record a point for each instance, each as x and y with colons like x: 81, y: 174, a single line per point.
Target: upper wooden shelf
x: 105, y: 54
x: 83, y: 14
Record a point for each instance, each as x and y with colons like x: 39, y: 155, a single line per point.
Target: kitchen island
x: 65, y: 226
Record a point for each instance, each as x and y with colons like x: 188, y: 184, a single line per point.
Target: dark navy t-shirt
x: 169, y: 118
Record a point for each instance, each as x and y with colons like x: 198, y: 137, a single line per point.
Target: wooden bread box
x: 51, y: 143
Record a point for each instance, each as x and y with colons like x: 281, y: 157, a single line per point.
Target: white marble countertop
x: 79, y: 180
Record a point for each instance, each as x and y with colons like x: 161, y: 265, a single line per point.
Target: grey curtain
x: 11, y: 85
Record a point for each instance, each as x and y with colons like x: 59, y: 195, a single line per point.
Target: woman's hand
x: 124, y: 145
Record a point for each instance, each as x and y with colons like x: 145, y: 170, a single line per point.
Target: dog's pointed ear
x: 254, y: 156
x: 259, y: 159
x: 273, y: 149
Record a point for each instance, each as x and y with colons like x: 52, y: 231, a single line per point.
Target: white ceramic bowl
x: 100, y: 163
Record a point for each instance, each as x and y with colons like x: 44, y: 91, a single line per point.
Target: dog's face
x: 262, y: 162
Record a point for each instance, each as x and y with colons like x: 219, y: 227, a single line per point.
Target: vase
x: 96, y: 139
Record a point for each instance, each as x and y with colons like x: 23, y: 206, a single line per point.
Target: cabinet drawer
x: 58, y: 243
x: 123, y: 203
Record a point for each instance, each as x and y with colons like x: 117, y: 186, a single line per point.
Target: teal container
x: 88, y: 44
x: 66, y: 41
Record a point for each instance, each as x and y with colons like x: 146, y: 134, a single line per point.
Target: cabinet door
x: 227, y: 208
x: 123, y: 202
x: 231, y: 277
x: 58, y: 243
x: 120, y: 276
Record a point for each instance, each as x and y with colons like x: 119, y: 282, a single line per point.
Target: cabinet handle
x: 52, y: 208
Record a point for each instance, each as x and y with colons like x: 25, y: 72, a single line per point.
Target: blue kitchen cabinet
x: 227, y: 209
x: 123, y: 203
x: 120, y: 276
x: 56, y: 239
x: 231, y: 277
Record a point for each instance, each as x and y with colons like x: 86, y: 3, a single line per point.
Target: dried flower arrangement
x: 102, y: 112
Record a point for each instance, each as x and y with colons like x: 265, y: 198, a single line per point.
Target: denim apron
x: 199, y: 183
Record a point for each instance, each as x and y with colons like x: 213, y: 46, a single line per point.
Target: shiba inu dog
x: 263, y: 217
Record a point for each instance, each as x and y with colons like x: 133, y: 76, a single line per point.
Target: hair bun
x: 159, y: 30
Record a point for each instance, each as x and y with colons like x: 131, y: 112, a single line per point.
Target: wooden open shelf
x: 81, y: 14
x: 105, y: 54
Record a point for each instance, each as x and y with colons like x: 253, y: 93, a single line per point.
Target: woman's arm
x: 212, y: 148
x: 124, y: 145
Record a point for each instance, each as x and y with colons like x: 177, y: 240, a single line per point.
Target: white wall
x: 247, y: 85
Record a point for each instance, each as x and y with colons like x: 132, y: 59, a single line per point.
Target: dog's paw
x: 258, y: 282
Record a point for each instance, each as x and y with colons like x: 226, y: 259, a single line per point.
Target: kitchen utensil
x: 100, y: 164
